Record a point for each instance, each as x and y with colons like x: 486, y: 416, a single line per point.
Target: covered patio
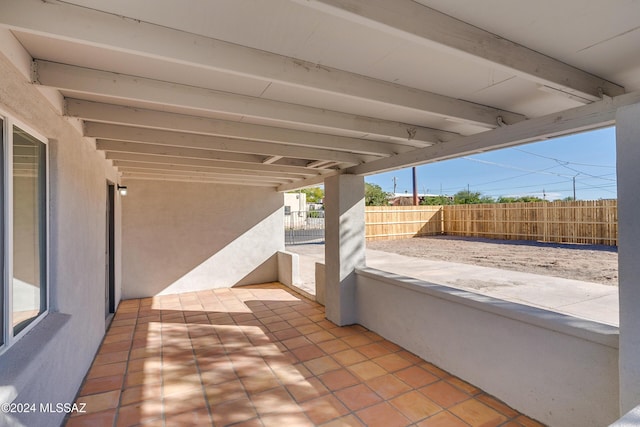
x: 265, y: 356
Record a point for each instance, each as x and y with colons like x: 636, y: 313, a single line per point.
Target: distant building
x: 294, y: 202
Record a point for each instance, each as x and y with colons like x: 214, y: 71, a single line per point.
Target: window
x: 23, y: 230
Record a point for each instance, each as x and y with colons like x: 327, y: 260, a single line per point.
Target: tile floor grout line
x: 195, y: 357
x: 163, y: 417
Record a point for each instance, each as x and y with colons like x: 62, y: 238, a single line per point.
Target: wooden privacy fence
x: 400, y: 222
x: 593, y: 222
x: 590, y: 222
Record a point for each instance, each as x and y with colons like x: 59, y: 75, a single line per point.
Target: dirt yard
x: 598, y: 264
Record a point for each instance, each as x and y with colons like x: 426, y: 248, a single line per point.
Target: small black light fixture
x: 122, y: 189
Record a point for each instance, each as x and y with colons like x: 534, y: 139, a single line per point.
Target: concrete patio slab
x: 586, y: 300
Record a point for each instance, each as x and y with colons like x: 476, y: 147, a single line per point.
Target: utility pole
x: 395, y: 184
x: 574, y: 188
x: 415, y: 187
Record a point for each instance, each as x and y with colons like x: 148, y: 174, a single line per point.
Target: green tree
x: 487, y: 199
x: 436, y: 201
x: 466, y: 197
x: 374, y: 196
x: 527, y: 199
x: 521, y: 199
x: 314, y: 194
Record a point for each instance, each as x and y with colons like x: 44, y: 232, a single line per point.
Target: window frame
x: 6, y: 192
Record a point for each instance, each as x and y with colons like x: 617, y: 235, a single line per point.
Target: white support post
x: 628, y: 159
x: 344, y: 245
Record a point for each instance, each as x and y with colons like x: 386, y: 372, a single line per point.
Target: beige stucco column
x: 344, y: 244
x: 628, y: 161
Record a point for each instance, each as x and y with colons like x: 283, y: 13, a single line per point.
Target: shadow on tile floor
x: 265, y: 356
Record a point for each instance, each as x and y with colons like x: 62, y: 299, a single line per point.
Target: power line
x: 526, y: 186
x: 557, y: 182
x: 562, y: 188
x: 537, y: 185
x: 602, y: 187
x: 544, y: 184
x: 563, y: 161
x: 516, y: 176
x: 587, y: 174
x: 576, y: 176
x: 541, y: 172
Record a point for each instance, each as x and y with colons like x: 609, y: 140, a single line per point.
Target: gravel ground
x: 591, y: 263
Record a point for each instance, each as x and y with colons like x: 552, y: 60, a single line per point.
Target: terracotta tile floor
x: 264, y: 356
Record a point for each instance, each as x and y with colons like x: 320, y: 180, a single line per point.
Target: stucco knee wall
x: 186, y: 236
x: 557, y: 369
x: 288, y: 268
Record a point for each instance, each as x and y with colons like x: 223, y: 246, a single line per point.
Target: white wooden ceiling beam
x: 332, y: 165
x: 135, y: 177
x: 381, y: 130
x: 207, y: 142
x: 118, y: 114
x: 165, y: 150
x: 178, y: 139
x: 92, y: 27
x: 418, y: 23
x: 166, y: 167
x: 110, y: 147
x: 189, y: 153
x: 361, y: 127
x: 272, y: 181
x: 592, y: 116
x: 149, y: 158
x: 307, y: 182
x: 203, y: 175
x: 317, y: 164
x: 271, y: 160
x: 130, y: 88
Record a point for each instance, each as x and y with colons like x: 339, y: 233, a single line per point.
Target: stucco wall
x: 628, y: 156
x: 49, y: 363
x: 183, y: 236
x: 560, y: 370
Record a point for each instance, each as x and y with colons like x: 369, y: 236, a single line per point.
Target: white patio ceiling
x: 282, y: 93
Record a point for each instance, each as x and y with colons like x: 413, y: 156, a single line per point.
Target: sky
x: 544, y: 169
